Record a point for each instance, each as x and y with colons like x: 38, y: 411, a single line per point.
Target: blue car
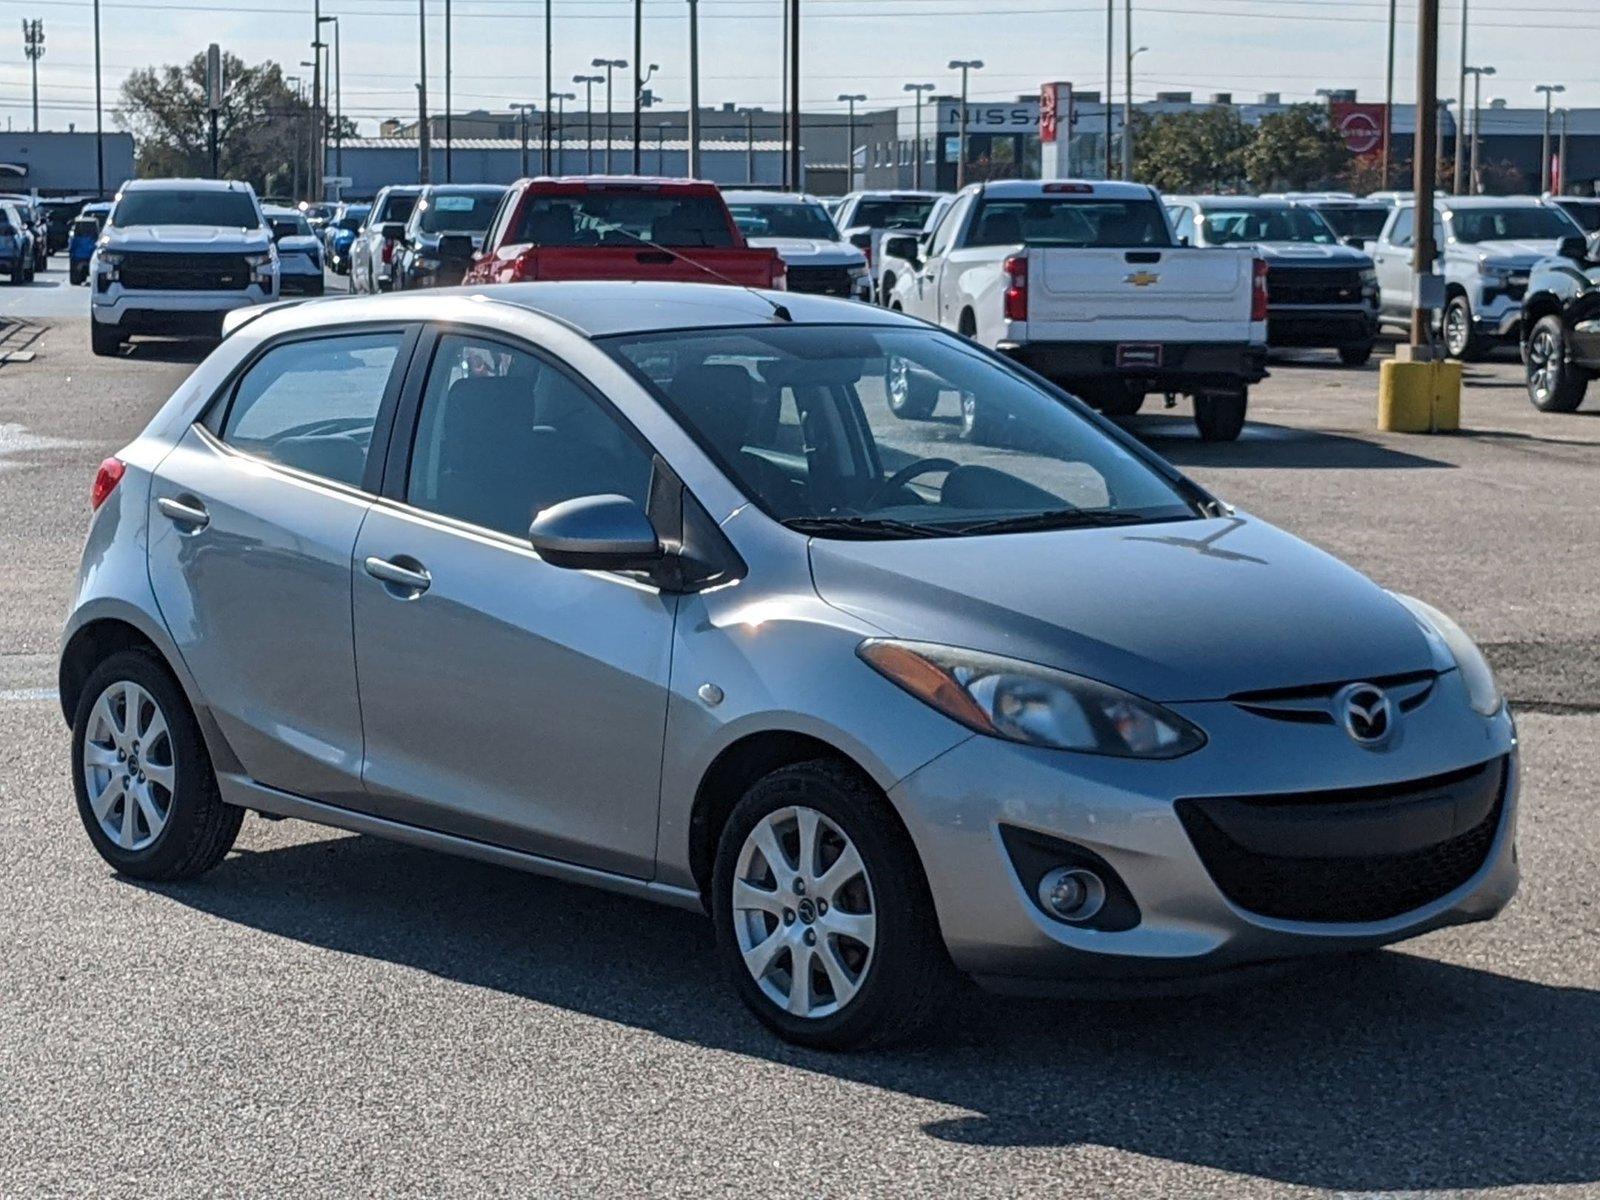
x: 17, y: 254
x: 86, y: 228
x: 340, y: 232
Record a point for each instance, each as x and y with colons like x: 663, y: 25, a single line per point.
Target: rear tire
x: 1461, y: 340
x: 1219, y: 416
x: 1356, y: 356
x: 979, y: 422
x: 891, y: 977
x: 1554, y: 384
x: 912, y: 395
x: 146, y: 790
x: 104, y: 339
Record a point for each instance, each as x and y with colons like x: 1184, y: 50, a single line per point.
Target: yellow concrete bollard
x: 1419, y: 397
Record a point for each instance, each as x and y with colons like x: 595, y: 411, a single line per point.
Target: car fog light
x: 1072, y: 893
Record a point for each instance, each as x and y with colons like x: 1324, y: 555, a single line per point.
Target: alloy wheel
x: 128, y: 765
x: 899, y: 384
x: 1456, y: 333
x: 803, y: 912
x: 1544, y: 364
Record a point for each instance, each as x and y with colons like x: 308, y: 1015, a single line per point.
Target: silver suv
x: 645, y: 586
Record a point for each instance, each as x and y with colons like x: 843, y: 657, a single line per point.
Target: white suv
x: 175, y: 256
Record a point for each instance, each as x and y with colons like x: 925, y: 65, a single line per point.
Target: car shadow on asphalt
x: 169, y: 350
x: 1174, y: 437
x: 1366, y: 1073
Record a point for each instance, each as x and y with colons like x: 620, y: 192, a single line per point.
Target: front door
x: 504, y: 699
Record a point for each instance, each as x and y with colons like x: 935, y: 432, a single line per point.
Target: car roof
x: 187, y: 185
x: 1236, y: 201
x: 280, y: 210
x: 1080, y: 187
x: 1491, y: 202
x: 466, y: 189
x: 734, y: 196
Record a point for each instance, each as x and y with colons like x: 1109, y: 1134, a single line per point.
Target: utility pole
x: 849, y: 98
x: 558, y: 140
x: 1475, y: 182
x: 1424, y: 164
x: 1461, y: 102
x: 1549, y: 90
x: 638, y: 80
x: 783, y: 110
x: 661, y: 147
x: 525, y: 109
x: 588, y: 82
x: 449, y: 164
x: 1111, y: 37
x: 610, y: 64
x: 424, y: 142
x: 99, y: 111
x: 1561, y: 158
x: 549, y: 85
x: 294, y: 126
x: 33, y: 47
x: 1127, y: 103
x: 796, y: 181
x: 314, y: 185
x: 964, y: 65
x: 694, y: 89
x: 1388, y: 101
x: 916, y: 157
x: 338, y: 101
x: 1439, y: 109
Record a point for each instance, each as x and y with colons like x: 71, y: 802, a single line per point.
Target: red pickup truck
x: 610, y: 227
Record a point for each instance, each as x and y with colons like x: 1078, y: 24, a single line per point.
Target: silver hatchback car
x: 646, y: 587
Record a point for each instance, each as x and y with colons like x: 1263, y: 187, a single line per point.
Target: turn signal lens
x: 105, y: 481
x: 1258, y: 293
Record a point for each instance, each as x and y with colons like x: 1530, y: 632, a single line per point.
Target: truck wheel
x: 912, y: 395
x: 1554, y: 384
x: 104, y: 339
x: 1220, y: 415
x: 1356, y: 356
x: 1460, y: 339
x: 979, y: 421
x: 1119, y: 398
x: 78, y: 274
x: 886, y: 288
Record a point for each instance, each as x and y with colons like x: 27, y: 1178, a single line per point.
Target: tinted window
x: 1069, y: 221
x: 289, y: 226
x: 1404, y: 222
x: 1354, y: 220
x: 352, y: 217
x: 790, y: 220
x: 459, y: 213
x: 312, y: 404
x: 1585, y: 214
x: 893, y: 214
x: 1502, y: 224
x: 622, y: 218
x: 502, y: 434
x: 944, y: 233
x: 203, y: 206
x: 1264, y: 223
x: 396, y: 206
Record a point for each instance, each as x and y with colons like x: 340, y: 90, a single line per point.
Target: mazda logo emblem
x: 1366, y: 712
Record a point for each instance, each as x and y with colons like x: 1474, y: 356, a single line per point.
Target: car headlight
x: 108, y: 258
x: 1483, y: 693
x: 1028, y: 703
x: 1369, y: 281
x: 858, y: 271
x: 1498, y: 275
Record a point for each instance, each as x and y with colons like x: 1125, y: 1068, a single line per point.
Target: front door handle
x: 412, y: 579
x: 194, y: 515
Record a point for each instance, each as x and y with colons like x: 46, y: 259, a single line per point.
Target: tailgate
x: 694, y: 264
x: 1186, y: 285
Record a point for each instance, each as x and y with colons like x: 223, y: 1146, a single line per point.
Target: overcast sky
x: 866, y: 46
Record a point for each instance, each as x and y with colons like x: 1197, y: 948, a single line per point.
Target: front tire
x: 1554, y: 383
x: 1219, y: 416
x: 1356, y: 356
x: 824, y: 922
x: 146, y: 791
x: 1460, y: 339
x: 912, y: 395
x: 980, y: 423
x: 104, y: 339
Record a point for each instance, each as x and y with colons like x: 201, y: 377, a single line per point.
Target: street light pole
x: 795, y: 179
x: 638, y: 80
x: 588, y: 82
x: 965, y: 65
x: 1111, y: 37
x: 424, y: 141
x: 1461, y: 101
x: 314, y: 187
x: 549, y: 83
x: 1549, y: 90
x: 916, y: 157
x: 1127, y: 108
x: 1475, y: 182
x: 99, y: 112
x: 33, y: 47
x: 338, y: 102
x: 449, y: 164
x: 1424, y: 164
x: 850, y: 159
x: 694, y: 89
x: 1388, y: 99
x: 558, y: 140
x: 609, y: 64
x: 525, y: 109
x: 1560, y: 181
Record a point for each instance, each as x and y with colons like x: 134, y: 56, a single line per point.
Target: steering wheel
x: 907, y: 473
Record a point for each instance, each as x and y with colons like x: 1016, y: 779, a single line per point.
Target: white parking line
x: 27, y: 695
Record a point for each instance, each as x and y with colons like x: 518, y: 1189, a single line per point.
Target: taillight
x: 780, y: 277
x: 388, y: 250
x: 105, y: 481
x: 1016, y: 272
x: 525, y: 269
x: 1258, y: 291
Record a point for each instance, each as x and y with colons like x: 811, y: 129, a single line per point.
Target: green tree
x: 261, y: 127
x: 1197, y: 151
x: 1295, y: 150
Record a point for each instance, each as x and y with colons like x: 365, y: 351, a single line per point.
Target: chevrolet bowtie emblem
x: 1142, y: 278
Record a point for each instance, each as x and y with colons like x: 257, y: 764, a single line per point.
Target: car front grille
x: 160, y: 272
x: 824, y: 281
x: 1313, y: 285
x: 1355, y: 855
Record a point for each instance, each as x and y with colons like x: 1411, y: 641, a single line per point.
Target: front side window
x: 624, y: 218
x: 503, y: 433
x: 1585, y: 212
x: 1405, y: 222
x: 1473, y: 225
x: 1265, y: 223
x: 312, y: 404
x: 798, y: 417
x: 202, y: 206
x: 459, y: 212
x: 1069, y: 221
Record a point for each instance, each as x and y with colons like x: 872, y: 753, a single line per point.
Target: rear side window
x: 396, y: 207
x: 312, y: 404
x: 622, y: 218
x: 1069, y: 221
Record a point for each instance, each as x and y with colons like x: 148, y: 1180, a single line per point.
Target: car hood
x: 1510, y: 252
x: 1179, y: 611
x: 305, y: 244
x: 1312, y: 253
x: 188, y: 237
x: 811, y: 251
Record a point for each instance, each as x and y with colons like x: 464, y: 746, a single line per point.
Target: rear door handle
x: 193, y: 515
x: 412, y: 579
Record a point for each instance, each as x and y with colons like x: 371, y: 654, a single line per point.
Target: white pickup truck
x: 1085, y: 283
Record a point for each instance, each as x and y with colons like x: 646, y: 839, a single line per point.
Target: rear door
x: 253, y: 520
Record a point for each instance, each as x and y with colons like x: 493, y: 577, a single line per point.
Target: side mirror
x: 1183, y: 239
x: 1576, y: 248
x: 903, y: 245
x: 457, y: 247
x: 595, y: 533
x: 394, y: 231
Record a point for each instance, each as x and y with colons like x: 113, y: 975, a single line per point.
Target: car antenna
x: 780, y: 312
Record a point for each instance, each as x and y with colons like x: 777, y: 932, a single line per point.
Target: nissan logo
x: 1366, y: 712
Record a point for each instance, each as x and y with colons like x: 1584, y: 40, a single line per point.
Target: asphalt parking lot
x: 333, y: 1015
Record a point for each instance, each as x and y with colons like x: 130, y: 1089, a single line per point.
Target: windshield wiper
x: 1060, y: 518
x: 865, y: 527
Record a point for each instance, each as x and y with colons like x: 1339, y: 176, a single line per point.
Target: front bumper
x: 1499, y: 316
x: 172, y: 311
x: 964, y: 807
x: 1183, y: 367
x: 1320, y: 327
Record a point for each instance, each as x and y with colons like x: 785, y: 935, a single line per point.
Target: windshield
x: 800, y: 419
x: 459, y: 213
x: 172, y: 207
x: 1587, y: 215
x: 1473, y: 225
x: 1265, y: 223
x: 397, y: 206
x: 352, y: 217
x: 620, y: 218
x: 1364, y: 221
x: 894, y: 214
x: 788, y: 220
x: 289, y: 225
x: 1069, y: 221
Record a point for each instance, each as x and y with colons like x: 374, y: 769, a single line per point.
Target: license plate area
x: 1134, y: 355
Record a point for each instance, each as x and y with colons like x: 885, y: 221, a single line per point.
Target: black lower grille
x: 1356, y: 855
x: 1318, y: 285
x: 158, y: 272
x: 825, y: 281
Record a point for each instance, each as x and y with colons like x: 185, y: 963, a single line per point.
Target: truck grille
x: 159, y: 272
x: 1362, y: 854
x: 824, y: 281
x: 1313, y: 285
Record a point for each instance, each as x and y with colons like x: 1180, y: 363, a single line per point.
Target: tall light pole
x: 638, y: 82
x: 338, y: 101
x: 588, y: 82
x: 314, y: 187
x: 1111, y: 37
x: 661, y: 147
x: 33, y: 47
x: 1441, y: 107
x: 610, y: 64
x: 294, y: 155
x: 524, y: 110
x: 964, y: 65
x: 849, y: 98
x: 449, y: 164
x: 549, y: 83
x: 1550, y: 90
x: 560, y: 137
x: 916, y: 157
x: 311, y: 140
x: 99, y: 112
x: 694, y: 89
x: 795, y: 180
x: 1561, y: 158
x: 424, y: 140
x: 1424, y: 164
x: 749, y: 144
x: 1477, y: 73
x: 1388, y: 100
x: 1461, y: 102
x: 1127, y: 105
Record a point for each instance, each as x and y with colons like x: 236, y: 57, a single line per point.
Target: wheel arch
x: 1537, y: 307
